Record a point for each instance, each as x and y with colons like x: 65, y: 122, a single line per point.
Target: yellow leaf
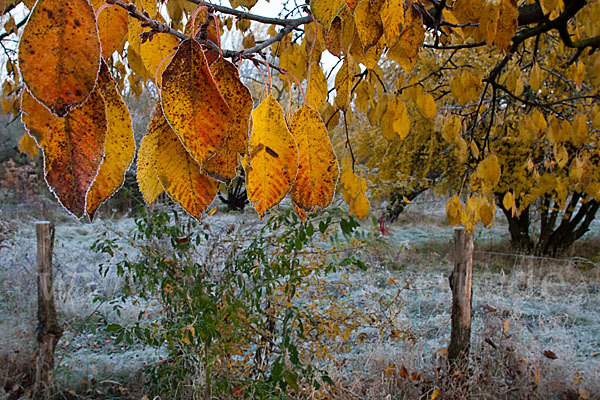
x: 486, y: 213
x: 360, y: 206
x: 489, y: 170
x: 579, y: 131
x: 73, y: 146
x: 112, y: 28
x: 584, y: 394
x: 369, y: 57
x: 507, y: 24
x: 149, y: 6
x: 147, y: 179
x: 192, y: 103
x: 406, y: 50
x: 134, y: 61
x: 453, y: 210
x: 246, y: 3
x: 248, y: 41
x: 134, y: 29
x: 330, y: 115
x: 508, y: 201
x: 506, y: 326
x: 561, y: 155
x: 396, y: 121
x: 452, y: 128
x: 317, y: 167
x: 59, y: 54
x: 316, y: 88
x: 292, y: 58
x: 514, y: 82
x: 426, y: 104
x: 536, y: 78
x: 392, y: 17
x: 595, y: 114
x: 577, y: 378
x: 223, y: 165
x: 343, y: 85
x: 27, y: 145
x: 488, y: 21
x: 354, y: 189
x: 465, y: 87
x: 435, y: 393
x: 368, y: 23
x: 178, y: 173
x: 273, y: 157
x: 119, y: 148
x: 156, y: 54
x: 552, y: 7
x: 462, y: 148
x: 325, y: 10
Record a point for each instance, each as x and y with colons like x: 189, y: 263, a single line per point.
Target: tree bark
x: 518, y: 227
x: 48, y: 331
x: 461, y: 283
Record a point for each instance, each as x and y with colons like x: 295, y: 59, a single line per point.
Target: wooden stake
x: 461, y: 283
x: 48, y: 330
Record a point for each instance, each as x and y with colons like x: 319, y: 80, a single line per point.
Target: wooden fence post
x: 48, y: 330
x: 461, y: 281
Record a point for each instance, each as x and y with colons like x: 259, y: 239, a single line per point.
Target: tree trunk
x: 518, y: 227
x: 48, y: 330
x: 569, y: 230
x: 461, y: 281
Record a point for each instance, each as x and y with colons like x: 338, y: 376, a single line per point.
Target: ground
x: 536, y: 320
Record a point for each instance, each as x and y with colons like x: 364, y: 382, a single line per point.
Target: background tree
x: 519, y: 129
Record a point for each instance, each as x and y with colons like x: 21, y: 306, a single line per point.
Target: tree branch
x: 160, y: 27
x: 254, y: 17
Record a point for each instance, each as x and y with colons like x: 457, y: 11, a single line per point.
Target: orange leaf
x: 193, y: 104
x: 59, y: 53
x: 147, y: 179
x: 119, y: 148
x: 112, y: 28
x: 223, y: 165
x: 317, y: 167
x: 300, y: 212
x: 404, y: 372
x: 333, y: 38
x: 211, y: 32
x: 73, y: 147
x: 28, y: 146
x: 178, y: 172
x: 273, y: 160
x: 550, y: 354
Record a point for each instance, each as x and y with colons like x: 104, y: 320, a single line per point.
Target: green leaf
x: 291, y: 379
x: 113, y: 328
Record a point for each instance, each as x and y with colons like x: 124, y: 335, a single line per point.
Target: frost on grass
x: 394, y: 315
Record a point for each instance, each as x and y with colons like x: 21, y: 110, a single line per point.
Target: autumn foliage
x: 483, y: 77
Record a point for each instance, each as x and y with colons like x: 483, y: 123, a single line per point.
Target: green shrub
x: 229, y: 322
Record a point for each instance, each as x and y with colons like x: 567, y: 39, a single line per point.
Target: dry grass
x: 549, y: 305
